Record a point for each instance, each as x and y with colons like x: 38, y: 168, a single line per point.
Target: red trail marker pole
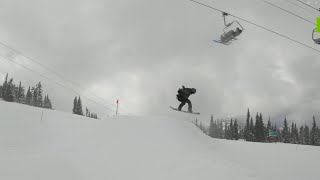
x: 117, y: 106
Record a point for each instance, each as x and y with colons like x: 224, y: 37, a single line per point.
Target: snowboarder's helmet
x: 193, y: 90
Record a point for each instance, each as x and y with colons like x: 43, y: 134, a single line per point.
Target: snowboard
x: 218, y: 41
x: 176, y: 109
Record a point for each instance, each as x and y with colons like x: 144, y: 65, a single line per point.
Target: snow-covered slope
x: 68, y: 147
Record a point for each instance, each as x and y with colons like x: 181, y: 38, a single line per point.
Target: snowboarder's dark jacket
x: 185, y: 92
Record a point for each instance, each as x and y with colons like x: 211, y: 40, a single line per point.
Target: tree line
x: 259, y: 132
x: 77, y: 109
x: 11, y: 92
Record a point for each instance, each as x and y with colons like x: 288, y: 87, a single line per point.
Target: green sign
x: 318, y: 24
x: 272, y: 133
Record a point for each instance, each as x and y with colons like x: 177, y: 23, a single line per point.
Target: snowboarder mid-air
x: 183, y: 95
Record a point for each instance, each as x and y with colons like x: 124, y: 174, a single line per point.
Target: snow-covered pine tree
x: 34, y: 96
x: 8, y: 94
x: 29, y: 97
x: 221, y: 135
x: 235, y: 130
x: 296, y: 134
x: 318, y: 137
x: 21, y: 95
x: 247, y: 127
x: 87, y: 112
x: 313, y: 132
x: 211, y: 127
x: 231, y: 129
x: 79, y: 107
x: 262, y: 129
x: 291, y: 131
x: 251, y: 132
x: 45, y: 102
x: 226, y: 131
x: 49, y: 102
x: 1, y: 89
x: 306, y: 134
x: 301, y: 135
x: 269, y: 127
x: 285, y: 132
x: 39, y: 100
x: 257, y: 129
x: 15, y: 92
x: 75, y: 106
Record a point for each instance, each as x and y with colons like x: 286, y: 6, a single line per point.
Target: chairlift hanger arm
x: 224, y: 14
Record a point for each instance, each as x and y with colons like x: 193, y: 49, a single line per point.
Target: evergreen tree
x: 231, y: 129
x: 15, y: 90
x: 34, y: 96
x: 221, y: 134
x: 29, y: 97
x: 301, y: 135
x: 306, y: 135
x: 75, y: 106
x: 318, y: 136
x: 247, y: 127
x: 87, y: 112
x: 211, y: 127
x: 1, y: 90
x: 38, y: 98
x: 235, y: 130
x: 8, y: 94
x: 20, y: 93
x: 269, y: 127
x: 285, y: 132
x: 79, y: 107
x: 259, y: 129
x: 313, y: 132
x: 296, y: 134
x: 47, y: 103
x: 252, y: 132
x: 226, y: 131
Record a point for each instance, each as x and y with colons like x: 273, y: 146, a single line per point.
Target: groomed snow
x: 68, y: 147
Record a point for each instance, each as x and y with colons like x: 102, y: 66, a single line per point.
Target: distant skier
x: 183, y: 95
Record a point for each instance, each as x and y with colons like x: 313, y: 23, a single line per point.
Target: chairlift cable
x: 289, y: 12
x: 73, y: 83
x: 57, y: 83
x: 260, y: 26
x: 309, y: 5
x: 295, y: 4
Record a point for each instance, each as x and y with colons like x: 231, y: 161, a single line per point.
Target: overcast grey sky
x: 142, y: 51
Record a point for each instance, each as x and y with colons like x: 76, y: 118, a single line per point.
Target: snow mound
x: 65, y: 146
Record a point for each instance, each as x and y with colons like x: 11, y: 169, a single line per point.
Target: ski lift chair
x: 316, y: 40
x: 227, y: 37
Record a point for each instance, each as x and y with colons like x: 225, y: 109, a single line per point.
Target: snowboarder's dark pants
x: 183, y: 102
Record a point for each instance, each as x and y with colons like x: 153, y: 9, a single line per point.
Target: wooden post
x: 117, y: 106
